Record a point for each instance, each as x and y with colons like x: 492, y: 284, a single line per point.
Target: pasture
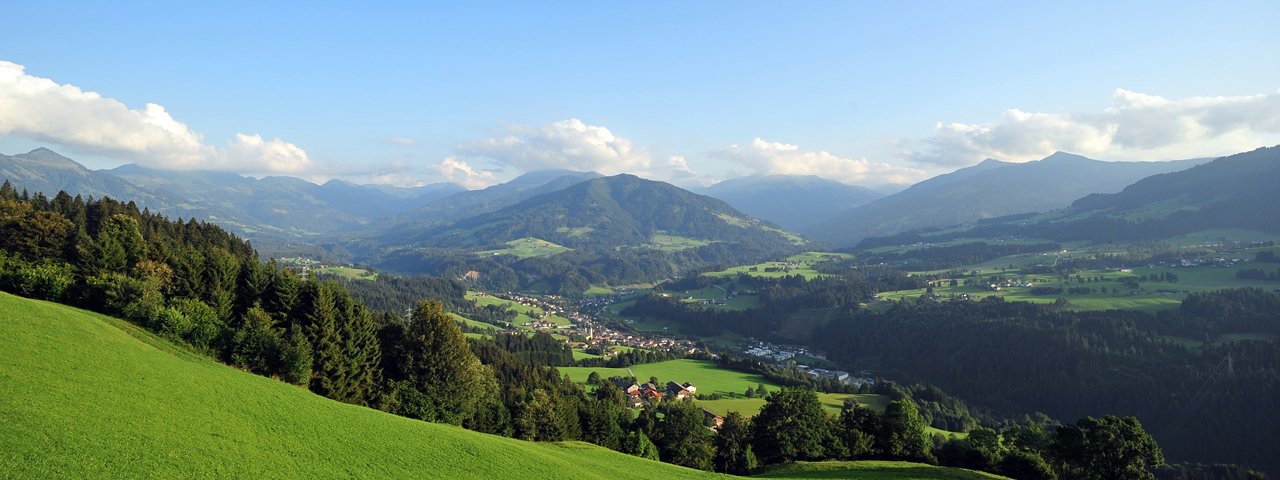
x: 528, y: 247
x: 798, y: 264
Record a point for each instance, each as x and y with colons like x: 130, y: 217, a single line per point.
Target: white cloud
x: 572, y: 145
x: 1136, y: 127
x: 403, y: 141
x: 567, y: 144
x: 252, y: 153
x: 44, y: 110
x: 763, y: 157
x: 464, y: 174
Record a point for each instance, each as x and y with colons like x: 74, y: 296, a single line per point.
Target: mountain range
x: 583, y: 210
x: 987, y: 190
x: 269, y: 208
x: 791, y: 201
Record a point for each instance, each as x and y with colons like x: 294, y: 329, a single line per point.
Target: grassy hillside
x: 91, y: 396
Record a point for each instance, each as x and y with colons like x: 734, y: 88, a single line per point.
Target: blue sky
x: 692, y: 92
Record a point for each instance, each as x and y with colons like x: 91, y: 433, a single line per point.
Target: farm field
x: 708, y: 377
x: 718, y: 293
x: 528, y: 247
x: 90, y: 396
x: 1156, y: 295
x: 524, y: 313
x: 667, y: 242
x: 798, y: 264
x: 349, y: 273
x: 471, y: 323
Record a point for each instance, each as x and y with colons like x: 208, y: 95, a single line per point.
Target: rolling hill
x: 605, y: 214
x: 988, y: 190
x: 89, y: 396
x: 410, y: 224
x: 791, y: 201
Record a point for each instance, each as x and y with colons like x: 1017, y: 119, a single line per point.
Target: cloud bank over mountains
x: 1136, y: 126
x: 64, y: 114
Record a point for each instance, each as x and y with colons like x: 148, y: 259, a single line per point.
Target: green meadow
x: 524, y: 314
x: 1198, y: 279
x: 668, y: 242
x: 528, y: 247
x: 349, y: 273
x: 798, y: 264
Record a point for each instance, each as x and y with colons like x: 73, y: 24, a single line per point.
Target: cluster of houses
x: 649, y: 393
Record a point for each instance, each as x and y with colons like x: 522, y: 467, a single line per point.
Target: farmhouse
x: 627, y: 386
x: 678, y: 391
x: 712, y: 420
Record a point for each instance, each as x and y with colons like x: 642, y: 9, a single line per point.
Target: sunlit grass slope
x: 87, y: 396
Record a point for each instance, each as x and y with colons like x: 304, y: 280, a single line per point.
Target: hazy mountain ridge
x: 293, y: 205
x: 988, y: 190
x: 275, y: 207
x: 413, y: 223
x: 606, y: 213
x: 1235, y: 192
x: 45, y: 171
x: 791, y: 201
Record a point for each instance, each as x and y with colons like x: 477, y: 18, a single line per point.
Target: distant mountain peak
x: 1064, y: 157
x: 48, y: 157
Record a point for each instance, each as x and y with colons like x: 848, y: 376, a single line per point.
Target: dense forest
x: 1212, y: 403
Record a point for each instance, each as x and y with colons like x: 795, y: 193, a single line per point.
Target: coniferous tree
x: 255, y: 343
x: 295, y: 357
x: 327, y: 362
x: 539, y: 419
x: 361, y: 351
x: 439, y: 363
